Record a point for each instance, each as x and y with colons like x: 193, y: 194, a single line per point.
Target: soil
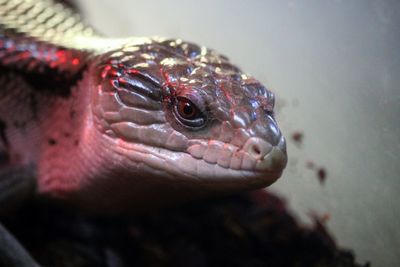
x: 253, y: 229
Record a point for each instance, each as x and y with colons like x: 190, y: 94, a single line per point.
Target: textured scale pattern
x: 98, y: 119
x: 233, y: 98
x: 47, y: 34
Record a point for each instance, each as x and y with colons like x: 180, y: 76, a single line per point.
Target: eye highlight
x: 188, y: 114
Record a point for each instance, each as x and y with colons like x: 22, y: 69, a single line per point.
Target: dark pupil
x: 186, y: 109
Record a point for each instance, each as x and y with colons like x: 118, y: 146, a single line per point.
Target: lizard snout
x: 268, y: 157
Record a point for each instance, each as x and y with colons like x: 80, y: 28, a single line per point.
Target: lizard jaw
x: 201, y: 162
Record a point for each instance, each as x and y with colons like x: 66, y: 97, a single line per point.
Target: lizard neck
x: 64, y: 147
x: 50, y: 132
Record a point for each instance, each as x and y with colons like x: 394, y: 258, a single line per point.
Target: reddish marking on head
x: 75, y: 61
x: 227, y: 95
x: 25, y: 55
x: 61, y: 56
x: 168, y: 85
x: 105, y: 71
x: 164, y: 74
x: 132, y: 71
x: 121, y: 80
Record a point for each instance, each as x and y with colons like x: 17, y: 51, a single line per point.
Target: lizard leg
x: 16, y: 185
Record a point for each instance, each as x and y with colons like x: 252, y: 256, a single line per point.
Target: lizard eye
x: 188, y: 114
x: 187, y: 109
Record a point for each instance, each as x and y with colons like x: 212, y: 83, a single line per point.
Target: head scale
x: 182, y: 116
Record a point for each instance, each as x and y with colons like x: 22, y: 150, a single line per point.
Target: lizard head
x: 179, y: 116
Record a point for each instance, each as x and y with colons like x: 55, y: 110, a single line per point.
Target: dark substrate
x: 243, y: 230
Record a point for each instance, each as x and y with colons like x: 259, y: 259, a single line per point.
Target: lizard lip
x: 256, y: 155
x: 214, y: 167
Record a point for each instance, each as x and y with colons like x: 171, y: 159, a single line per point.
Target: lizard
x: 117, y: 125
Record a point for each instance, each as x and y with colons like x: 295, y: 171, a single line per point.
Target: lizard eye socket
x: 188, y: 114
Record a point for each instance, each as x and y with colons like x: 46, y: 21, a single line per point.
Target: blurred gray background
x: 335, y: 68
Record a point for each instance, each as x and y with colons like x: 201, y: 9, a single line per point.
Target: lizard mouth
x: 256, y: 155
x: 211, y: 161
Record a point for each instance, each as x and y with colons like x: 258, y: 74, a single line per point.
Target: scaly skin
x: 114, y: 125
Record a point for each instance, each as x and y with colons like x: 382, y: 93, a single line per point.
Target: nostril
x: 255, y: 150
x: 257, y: 147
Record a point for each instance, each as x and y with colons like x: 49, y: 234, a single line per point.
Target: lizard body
x: 112, y: 125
